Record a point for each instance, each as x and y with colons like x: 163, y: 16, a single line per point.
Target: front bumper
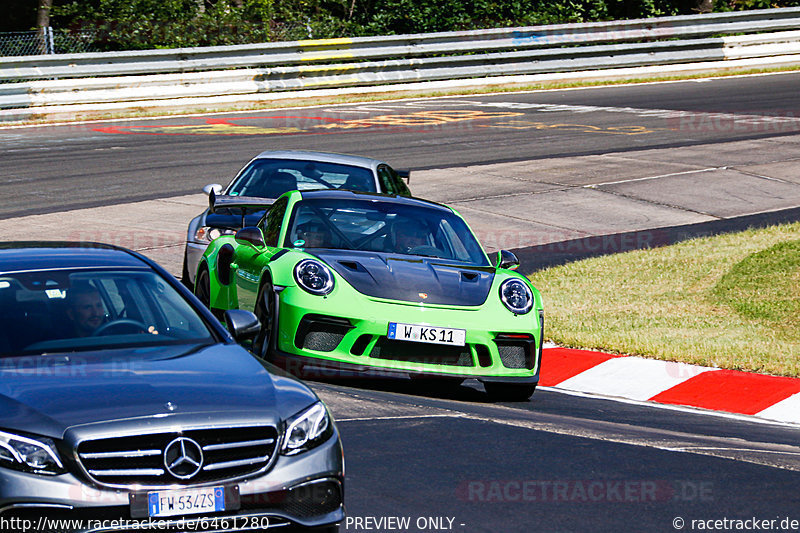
x: 351, y: 339
x: 305, y: 489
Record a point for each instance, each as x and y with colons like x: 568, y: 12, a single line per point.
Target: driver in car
x: 85, y: 309
x: 408, y: 235
x: 314, y: 234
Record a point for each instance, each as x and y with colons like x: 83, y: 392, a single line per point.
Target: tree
x: 43, y: 23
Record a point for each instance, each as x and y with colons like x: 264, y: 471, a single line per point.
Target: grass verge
x: 729, y: 301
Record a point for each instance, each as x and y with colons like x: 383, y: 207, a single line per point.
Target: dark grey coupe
x: 272, y: 173
x: 124, y: 404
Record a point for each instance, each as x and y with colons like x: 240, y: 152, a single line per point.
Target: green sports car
x: 368, y: 284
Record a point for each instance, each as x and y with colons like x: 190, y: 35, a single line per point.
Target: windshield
x: 383, y: 227
x: 64, y: 311
x: 269, y: 178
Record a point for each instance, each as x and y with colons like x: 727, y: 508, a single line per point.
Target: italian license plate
x: 420, y: 333
x: 189, y: 501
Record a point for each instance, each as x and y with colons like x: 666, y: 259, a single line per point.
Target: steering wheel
x: 126, y: 325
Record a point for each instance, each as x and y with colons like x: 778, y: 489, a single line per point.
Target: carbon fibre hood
x: 411, y: 279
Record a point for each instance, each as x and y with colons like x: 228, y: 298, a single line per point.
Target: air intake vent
x: 321, y: 333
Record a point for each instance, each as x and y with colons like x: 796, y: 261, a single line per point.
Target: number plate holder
x: 430, y: 334
x: 142, y: 503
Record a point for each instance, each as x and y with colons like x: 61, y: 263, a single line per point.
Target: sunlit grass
x: 731, y: 301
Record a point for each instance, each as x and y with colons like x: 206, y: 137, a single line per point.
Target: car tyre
x: 509, y: 392
x: 202, y: 289
x: 265, y: 311
x: 185, y: 274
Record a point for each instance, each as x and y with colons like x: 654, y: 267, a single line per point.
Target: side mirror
x: 506, y: 259
x: 242, y: 324
x: 250, y: 235
x: 216, y: 187
x: 405, y: 174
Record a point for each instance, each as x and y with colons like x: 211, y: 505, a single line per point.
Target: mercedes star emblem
x: 183, y: 458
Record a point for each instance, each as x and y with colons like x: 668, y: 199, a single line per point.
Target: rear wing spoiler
x: 244, y: 203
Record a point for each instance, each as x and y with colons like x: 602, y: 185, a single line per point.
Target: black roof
x: 357, y: 195
x: 45, y: 255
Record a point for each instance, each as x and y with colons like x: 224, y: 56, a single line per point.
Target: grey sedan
x: 271, y: 174
x: 125, y: 405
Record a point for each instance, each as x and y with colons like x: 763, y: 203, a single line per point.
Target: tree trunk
x: 43, y: 23
x: 43, y: 14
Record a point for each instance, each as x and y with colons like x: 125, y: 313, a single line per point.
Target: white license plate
x: 420, y: 333
x: 189, y: 501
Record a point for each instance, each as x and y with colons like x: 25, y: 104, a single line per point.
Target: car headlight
x: 29, y: 455
x: 314, y: 277
x: 516, y: 296
x: 307, y: 429
x: 208, y: 234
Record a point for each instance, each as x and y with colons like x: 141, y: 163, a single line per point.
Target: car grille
x: 308, y: 500
x: 321, y: 333
x: 515, y: 350
x: 227, y: 453
x: 422, y: 352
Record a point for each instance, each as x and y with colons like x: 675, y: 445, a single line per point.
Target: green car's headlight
x: 516, y: 296
x: 313, y: 276
x: 29, y: 455
x: 306, y: 430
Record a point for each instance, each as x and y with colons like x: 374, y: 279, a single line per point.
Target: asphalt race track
x: 447, y: 460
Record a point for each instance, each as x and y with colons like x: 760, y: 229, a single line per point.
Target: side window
x: 387, y: 183
x: 399, y: 185
x: 271, y: 224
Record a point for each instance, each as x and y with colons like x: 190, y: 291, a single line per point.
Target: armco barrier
x: 152, y: 75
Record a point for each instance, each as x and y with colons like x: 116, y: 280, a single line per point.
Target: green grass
x: 731, y: 301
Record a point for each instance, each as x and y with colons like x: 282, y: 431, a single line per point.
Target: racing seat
x: 278, y: 183
x: 356, y: 182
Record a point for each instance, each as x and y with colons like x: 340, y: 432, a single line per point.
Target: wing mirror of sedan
x: 250, y: 235
x: 216, y: 187
x: 506, y: 259
x: 404, y: 173
x: 242, y: 324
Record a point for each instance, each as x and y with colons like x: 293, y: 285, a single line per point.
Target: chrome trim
x: 139, y: 486
x: 129, y: 472
x: 242, y: 444
x: 315, y: 481
x: 35, y: 505
x: 114, y: 455
x: 240, y: 462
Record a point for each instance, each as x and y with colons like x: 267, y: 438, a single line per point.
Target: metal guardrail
x: 249, y: 69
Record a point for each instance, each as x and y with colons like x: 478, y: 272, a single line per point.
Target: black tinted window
x: 63, y: 311
x: 269, y: 178
x: 272, y: 223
